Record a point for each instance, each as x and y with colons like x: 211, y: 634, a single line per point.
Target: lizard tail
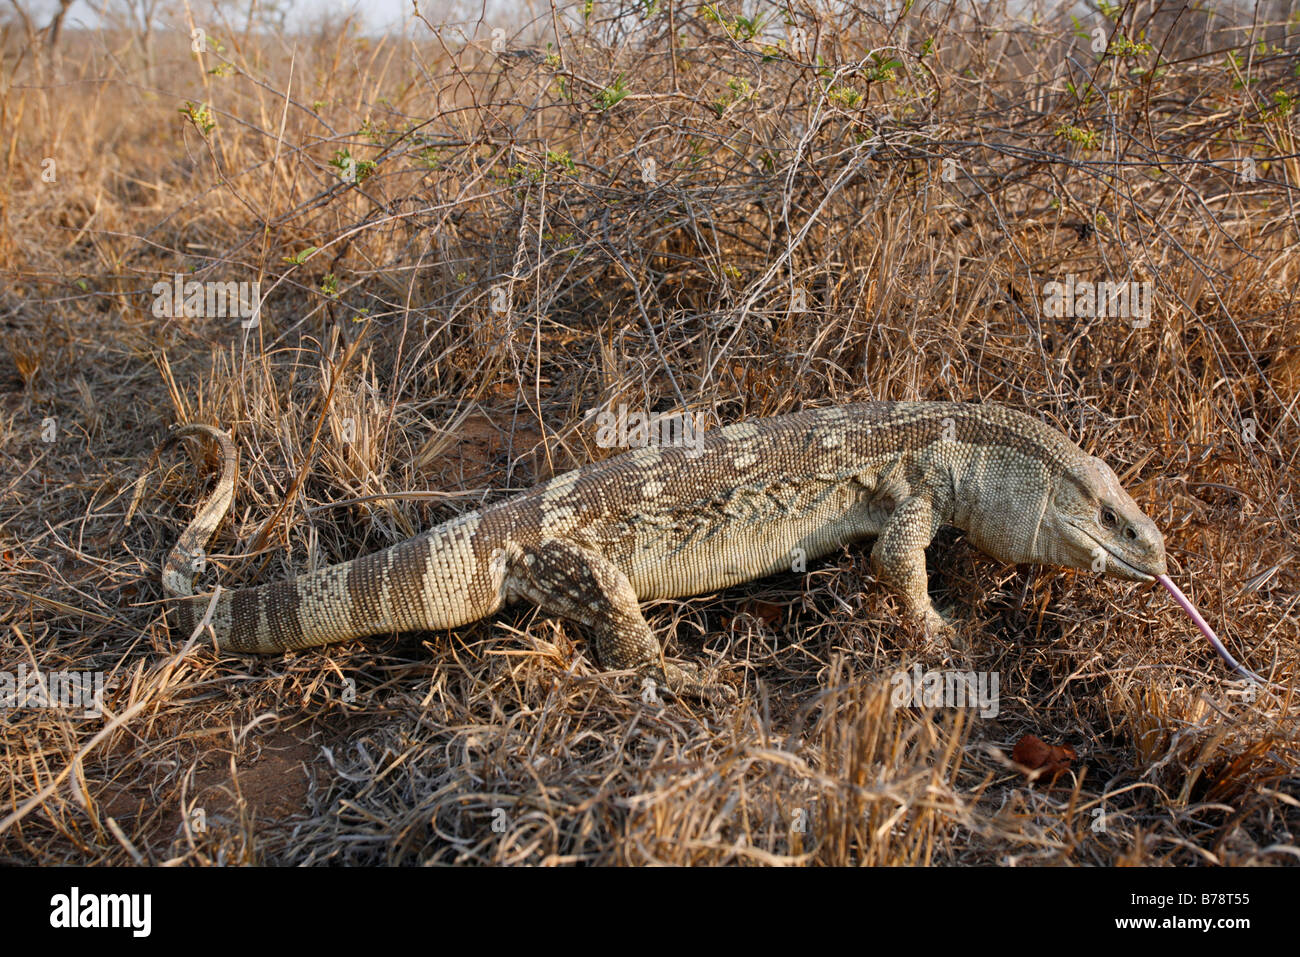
x: 442, y: 579
x: 186, y: 559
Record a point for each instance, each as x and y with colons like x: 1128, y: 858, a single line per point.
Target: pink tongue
x: 1206, y: 630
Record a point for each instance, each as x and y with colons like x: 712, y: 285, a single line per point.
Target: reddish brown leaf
x: 1033, y: 754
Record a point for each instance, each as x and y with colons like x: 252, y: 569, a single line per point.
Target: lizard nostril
x: 1130, y: 534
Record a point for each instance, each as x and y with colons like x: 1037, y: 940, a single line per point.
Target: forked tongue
x: 1207, y: 631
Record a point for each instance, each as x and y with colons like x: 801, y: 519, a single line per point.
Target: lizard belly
x: 743, y: 551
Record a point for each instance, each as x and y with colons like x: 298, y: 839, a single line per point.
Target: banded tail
x: 446, y: 577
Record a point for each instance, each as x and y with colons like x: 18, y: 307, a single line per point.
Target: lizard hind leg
x: 583, y: 586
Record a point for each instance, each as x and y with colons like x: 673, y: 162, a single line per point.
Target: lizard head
x: 1093, y: 524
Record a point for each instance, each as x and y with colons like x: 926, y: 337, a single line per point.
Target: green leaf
x: 297, y: 259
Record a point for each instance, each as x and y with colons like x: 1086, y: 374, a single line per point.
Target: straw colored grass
x: 465, y: 253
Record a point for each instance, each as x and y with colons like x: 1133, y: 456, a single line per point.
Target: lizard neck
x: 1001, y: 499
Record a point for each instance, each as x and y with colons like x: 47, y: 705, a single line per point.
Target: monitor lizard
x: 759, y: 497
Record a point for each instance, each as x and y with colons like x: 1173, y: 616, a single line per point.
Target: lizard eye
x: 1108, y: 516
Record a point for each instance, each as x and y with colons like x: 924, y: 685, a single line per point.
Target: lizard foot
x: 936, y: 626
x: 941, y: 641
x: 937, y: 632
x: 687, y: 681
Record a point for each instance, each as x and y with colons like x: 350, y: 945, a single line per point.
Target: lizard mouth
x: 1138, y: 573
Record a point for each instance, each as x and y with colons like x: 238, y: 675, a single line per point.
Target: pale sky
x: 381, y: 14
x: 377, y: 14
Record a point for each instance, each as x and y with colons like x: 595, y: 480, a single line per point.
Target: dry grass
x: 651, y: 251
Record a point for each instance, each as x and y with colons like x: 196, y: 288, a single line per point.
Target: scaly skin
x: 763, y: 496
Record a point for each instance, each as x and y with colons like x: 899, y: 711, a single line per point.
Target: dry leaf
x: 1037, y: 759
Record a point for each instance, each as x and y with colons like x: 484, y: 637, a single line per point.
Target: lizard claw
x: 687, y: 681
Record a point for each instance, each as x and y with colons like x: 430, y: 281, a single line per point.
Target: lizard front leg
x: 583, y: 586
x: 899, y: 558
